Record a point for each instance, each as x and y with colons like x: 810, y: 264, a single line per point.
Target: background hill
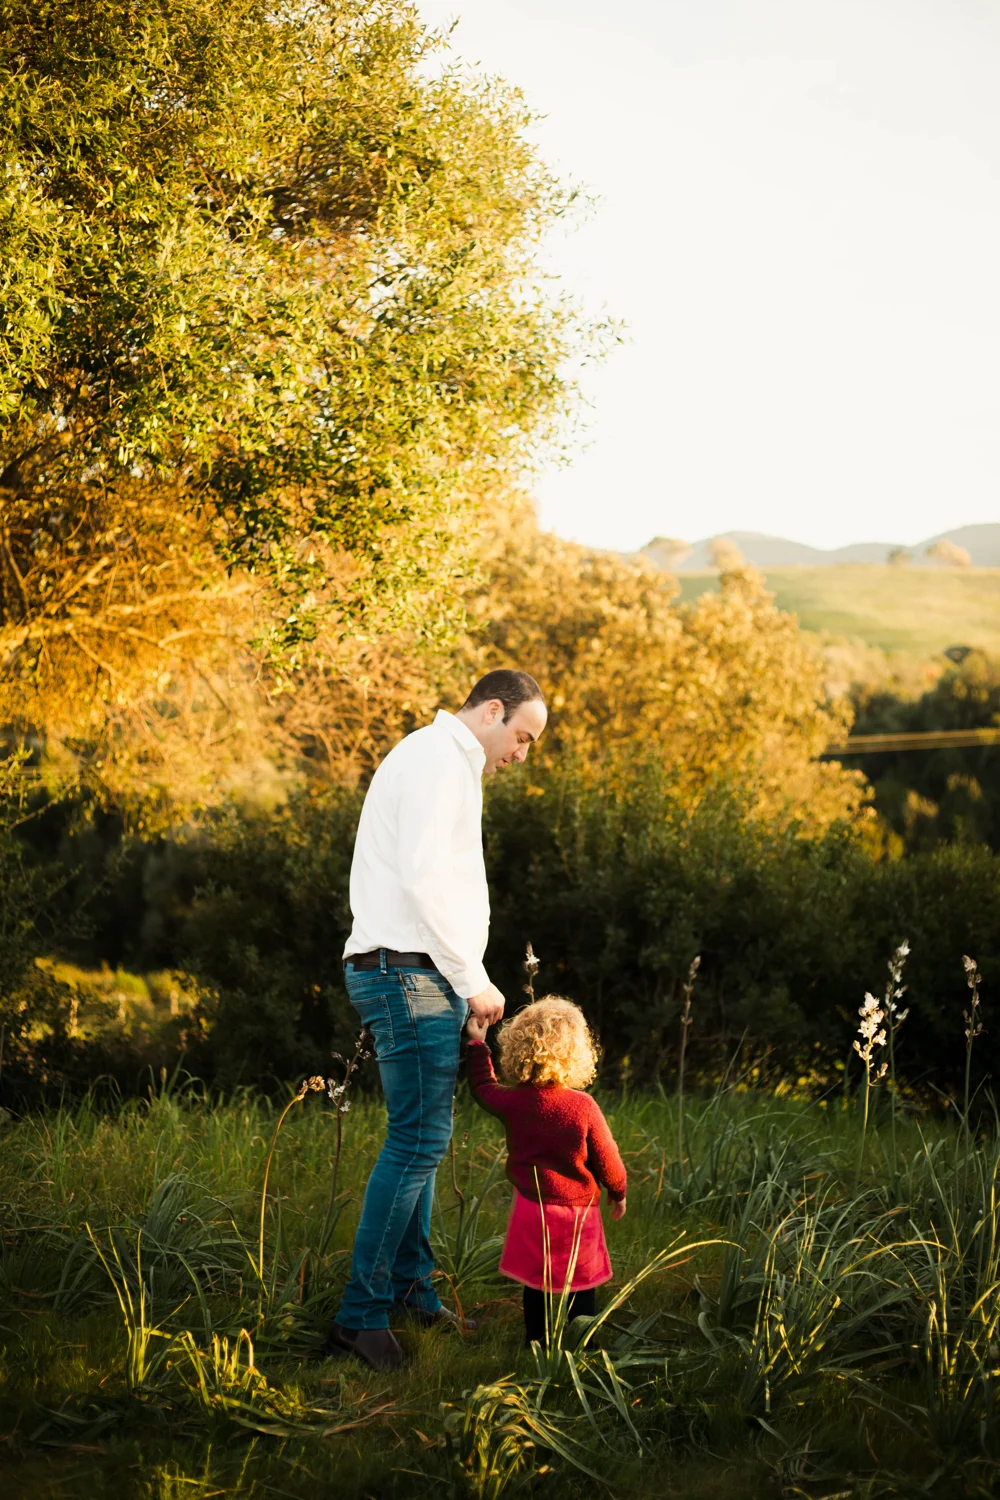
x: 918, y: 610
x: 982, y: 543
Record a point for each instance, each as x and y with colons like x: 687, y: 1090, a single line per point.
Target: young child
x: 560, y: 1154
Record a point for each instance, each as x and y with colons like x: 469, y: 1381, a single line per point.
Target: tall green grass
x: 781, y: 1322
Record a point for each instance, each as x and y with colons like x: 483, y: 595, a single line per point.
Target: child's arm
x: 482, y: 1079
x: 605, y: 1160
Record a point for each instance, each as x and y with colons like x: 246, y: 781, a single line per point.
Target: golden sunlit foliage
x: 271, y: 332
x: 276, y: 363
x: 725, y: 685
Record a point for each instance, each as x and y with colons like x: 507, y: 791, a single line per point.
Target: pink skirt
x: 524, y: 1256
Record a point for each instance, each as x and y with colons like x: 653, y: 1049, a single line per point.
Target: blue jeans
x: 416, y: 1018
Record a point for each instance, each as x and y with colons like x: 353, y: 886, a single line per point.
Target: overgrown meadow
x: 806, y: 1300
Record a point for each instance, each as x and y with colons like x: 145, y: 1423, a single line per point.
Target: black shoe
x: 377, y: 1347
x: 442, y: 1317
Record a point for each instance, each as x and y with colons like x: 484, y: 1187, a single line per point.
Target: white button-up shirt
x: 418, y: 881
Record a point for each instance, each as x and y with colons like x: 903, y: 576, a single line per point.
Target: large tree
x: 271, y: 339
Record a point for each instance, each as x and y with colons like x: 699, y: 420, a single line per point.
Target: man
x: 413, y: 967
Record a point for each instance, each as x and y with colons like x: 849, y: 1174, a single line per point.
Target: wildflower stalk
x: 688, y: 990
x: 531, y: 965
x: 873, y: 1035
x: 337, y: 1095
x: 894, y: 1017
x: 973, y: 1028
x: 311, y: 1085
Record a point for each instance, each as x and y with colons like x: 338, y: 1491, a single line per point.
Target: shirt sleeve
x: 603, y: 1156
x: 430, y: 808
x: 483, y: 1081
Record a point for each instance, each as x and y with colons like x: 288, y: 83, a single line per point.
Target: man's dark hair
x: 512, y: 689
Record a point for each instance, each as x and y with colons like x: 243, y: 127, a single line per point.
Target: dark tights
x: 581, y: 1304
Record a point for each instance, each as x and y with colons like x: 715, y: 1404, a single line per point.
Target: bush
x: 264, y: 934
x: 617, y: 881
x: 618, y: 889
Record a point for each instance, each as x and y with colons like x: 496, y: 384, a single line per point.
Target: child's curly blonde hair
x: 548, y: 1042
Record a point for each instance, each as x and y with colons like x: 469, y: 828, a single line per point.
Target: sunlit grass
x: 838, y: 1330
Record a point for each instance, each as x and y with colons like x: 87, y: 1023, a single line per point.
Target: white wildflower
x: 872, y: 1033
x: 895, y: 990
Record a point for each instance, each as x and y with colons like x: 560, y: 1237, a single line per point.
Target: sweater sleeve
x: 603, y: 1156
x: 483, y: 1081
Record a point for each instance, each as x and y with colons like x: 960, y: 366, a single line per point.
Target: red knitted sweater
x: 558, y: 1132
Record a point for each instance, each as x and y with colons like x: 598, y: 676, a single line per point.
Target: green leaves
x: 256, y: 255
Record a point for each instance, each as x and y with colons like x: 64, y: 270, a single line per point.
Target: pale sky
x: 800, y: 225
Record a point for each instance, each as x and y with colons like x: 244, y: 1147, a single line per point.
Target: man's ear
x: 493, y: 710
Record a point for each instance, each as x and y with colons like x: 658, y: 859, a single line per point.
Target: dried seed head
x: 973, y: 978
x: 688, y: 988
x: 973, y: 1026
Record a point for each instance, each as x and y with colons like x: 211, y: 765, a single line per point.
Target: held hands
x: 487, y: 1005
x: 476, y: 1029
x: 618, y: 1209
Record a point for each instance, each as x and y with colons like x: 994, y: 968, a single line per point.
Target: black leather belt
x: 393, y: 960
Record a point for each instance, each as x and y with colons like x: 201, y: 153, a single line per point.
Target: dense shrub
x: 265, y: 934
x: 619, y: 888
x: 34, y: 1042
x: 617, y: 884
x: 251, y: 906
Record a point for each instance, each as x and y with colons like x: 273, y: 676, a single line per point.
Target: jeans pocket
x: 376, y: 1017
x: 429, y: 996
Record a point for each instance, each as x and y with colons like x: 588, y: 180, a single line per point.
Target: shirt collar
x: 463, y: 734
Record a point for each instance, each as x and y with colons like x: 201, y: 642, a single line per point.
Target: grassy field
x: 825, y: 1323
x: 920, y: 610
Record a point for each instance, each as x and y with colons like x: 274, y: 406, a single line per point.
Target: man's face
x: 510, y: 741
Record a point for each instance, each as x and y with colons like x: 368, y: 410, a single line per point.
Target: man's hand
x: 476, y: 1028
x: 618, y: 1208
x: 487, y: 1005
